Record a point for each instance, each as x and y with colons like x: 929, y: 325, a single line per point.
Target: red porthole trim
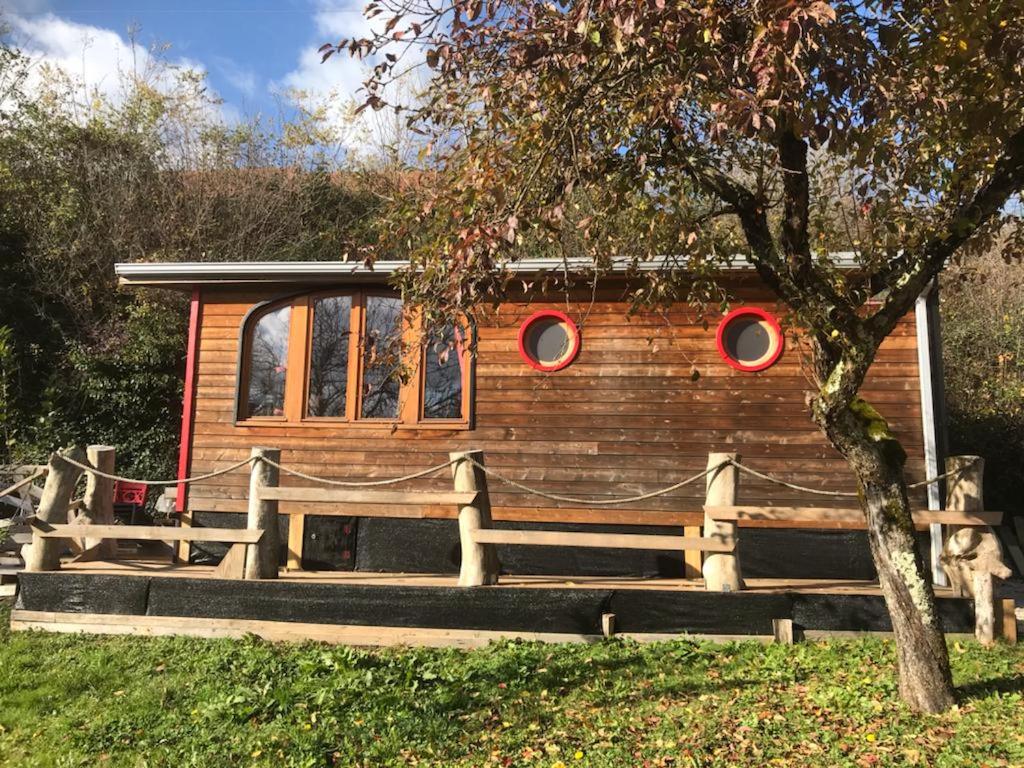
x: 570, y: 327
x: 773, y: 326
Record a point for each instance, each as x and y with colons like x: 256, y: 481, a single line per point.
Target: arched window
x: 382, y: 361
x: 267, y: 362
x: 352, y: 356
x: 330, y: 340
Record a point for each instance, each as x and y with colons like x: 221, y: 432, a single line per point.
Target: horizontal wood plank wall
x: 641, y: 407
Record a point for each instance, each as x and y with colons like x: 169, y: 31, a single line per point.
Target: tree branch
x: 1007, y: 180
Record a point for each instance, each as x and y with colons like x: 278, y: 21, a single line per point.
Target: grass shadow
x: 982, y: 689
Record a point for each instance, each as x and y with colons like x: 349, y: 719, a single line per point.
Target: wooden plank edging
x: 810, y: 515
x: 147, y: 533
x: 284, y: 631
x: 364, y: 496
x: 610, y: 540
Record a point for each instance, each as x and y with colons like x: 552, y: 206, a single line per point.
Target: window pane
x: 268, y: 363
x: 442, y: 376
x: 382, y: 357
x: 328, y: 356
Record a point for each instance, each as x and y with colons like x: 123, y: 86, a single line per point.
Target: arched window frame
x: 297, y: 376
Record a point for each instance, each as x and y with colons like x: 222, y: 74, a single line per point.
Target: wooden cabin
x: 570, y: 394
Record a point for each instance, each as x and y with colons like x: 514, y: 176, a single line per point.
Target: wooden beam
x: 296, y: 537
x: 585, y: 515
x: 985, y: 615
x: 148, y: 533
x: 397, y: 511
x: 277, y: 631
x: 954, y: 517
x: 366, y: 496
x: 23, y: 482
x: 232, y: 565
x: 782, y: 629
x: 1008, y: 620
x: 183, y: 552
x: 810, y: 515
x: 610, y: 540
x: 287, y: 631
x: 692, y: 558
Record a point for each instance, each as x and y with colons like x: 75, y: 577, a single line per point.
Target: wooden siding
x: 646, y: 400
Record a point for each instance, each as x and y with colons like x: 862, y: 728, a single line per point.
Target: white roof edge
x: 195, y: 272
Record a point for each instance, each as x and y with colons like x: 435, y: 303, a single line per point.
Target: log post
x: 721, y: 570
x: 261, y: 559
x: 783, y: 632
x: 984, y: 608
x: 44, y: 554
x: 99, y: 500
x: 479, y: 561
x: 964, y: 487
x: 1008, y: 620
x: 964, y: 494
x: 608, y: 624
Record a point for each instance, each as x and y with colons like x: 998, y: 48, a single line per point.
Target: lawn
x: 95, y: 701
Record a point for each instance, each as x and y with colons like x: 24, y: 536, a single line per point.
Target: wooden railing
x: 254, y: 554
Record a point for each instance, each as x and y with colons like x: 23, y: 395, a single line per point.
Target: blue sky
x: 250, y: 48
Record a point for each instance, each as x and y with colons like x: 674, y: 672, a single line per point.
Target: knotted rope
x: 492, y: 473
x: 822, y: 492
x: 573, y: 500
x: 185, y: 480
x: 358, y: 483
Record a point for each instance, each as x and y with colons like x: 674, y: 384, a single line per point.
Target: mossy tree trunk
x: 877, y: 460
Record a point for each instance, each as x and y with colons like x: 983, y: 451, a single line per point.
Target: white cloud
x: 97, y: 60
x: 338, y: 82
x: 341, y: 75
x: 246, y: 81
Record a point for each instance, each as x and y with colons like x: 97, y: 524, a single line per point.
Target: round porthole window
x: 548, y: 340
x: 749, y: 339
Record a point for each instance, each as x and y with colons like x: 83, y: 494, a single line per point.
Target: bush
x: 983, y: 347
x: 85, y: 182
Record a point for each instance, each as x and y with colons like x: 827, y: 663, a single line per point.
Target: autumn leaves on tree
x: 780, y: 130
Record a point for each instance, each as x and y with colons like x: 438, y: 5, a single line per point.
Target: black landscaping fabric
x: 521, y: 609
x: 211, y: 552
x: 432, y: 546
x: 83, y: 593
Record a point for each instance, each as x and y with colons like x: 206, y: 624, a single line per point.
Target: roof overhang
x: 188, y: 273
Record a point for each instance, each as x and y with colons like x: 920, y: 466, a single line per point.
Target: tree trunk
x: 876, y: 458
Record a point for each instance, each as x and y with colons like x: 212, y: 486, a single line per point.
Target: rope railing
x: 791, y: 486
x: 181, y: 481
x: 357, y: 483
x: 944, y: 475
x: 601, y: 502
x: 848, y: 494
x: 496, y: 475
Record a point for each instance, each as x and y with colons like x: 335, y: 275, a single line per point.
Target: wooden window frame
x: 300, y: 341
x: 307, y: 344
x: 466, y: 363
x: 245, y: 362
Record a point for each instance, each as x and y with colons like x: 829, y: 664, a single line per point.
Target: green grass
x: 96, y: 701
